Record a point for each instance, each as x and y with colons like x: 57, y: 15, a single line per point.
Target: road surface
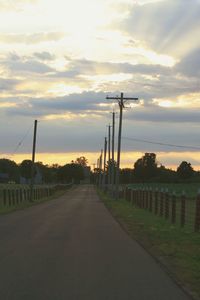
x: 72, y: 249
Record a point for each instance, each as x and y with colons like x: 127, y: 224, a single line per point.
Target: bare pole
x: 109, y: 133
x: 113, y: 153
x: 97, y: 171
x: 100, y: 168
x: 33, y: 161
x: 104, y: 164
x: 121, y: 101
x: 109, y: 166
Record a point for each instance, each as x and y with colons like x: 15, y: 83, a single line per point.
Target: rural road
x: 72, y: 249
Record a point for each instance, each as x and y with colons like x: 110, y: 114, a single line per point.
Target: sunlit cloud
x: 183, y: 101
x: 7, y: 104
x: 60, y: 59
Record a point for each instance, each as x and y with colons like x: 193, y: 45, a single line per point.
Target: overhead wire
x: 161, y: 143
x: 21, y: 141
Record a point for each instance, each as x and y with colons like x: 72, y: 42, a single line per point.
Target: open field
x: 191, y: 189
x: 176, y: 248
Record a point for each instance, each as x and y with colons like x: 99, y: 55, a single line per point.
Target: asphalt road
x: 70, y: 249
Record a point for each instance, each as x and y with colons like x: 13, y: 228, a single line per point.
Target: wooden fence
x: 178, y: 210
x: 16, y: 196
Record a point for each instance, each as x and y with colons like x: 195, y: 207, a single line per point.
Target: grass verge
x: 175, y: 248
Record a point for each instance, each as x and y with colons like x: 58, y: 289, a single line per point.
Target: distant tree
x: 70, y: 172
x: 9, y: 167
x: 54, y: 172
x: 166, y: 175
x: 139, y: 169
x: 25, y: 168
x: 110, y: 167
x: 82, y: 160
x: 46, y: 172
x: 146, y: 167
x: 185, y: 170
x: 126, y: 175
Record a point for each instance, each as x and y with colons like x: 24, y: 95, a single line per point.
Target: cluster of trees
x: 146, y: 169
x: 73, y: 171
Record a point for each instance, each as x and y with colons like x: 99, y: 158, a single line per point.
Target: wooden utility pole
x: 104, y: 164
x: 100, y: 168
x: 121, y: 101
x: 113, y: 153
x: 97, y: 172
x: 33, y: 161
x: 109, y: 166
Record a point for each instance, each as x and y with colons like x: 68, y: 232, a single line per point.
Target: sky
x: 60, y: 59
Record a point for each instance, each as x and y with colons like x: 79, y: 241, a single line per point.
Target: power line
x: 161, y: 144
x: 21, y: 142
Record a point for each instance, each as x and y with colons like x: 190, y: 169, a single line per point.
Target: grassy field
x: 178, y: 249
x: 191, y: 189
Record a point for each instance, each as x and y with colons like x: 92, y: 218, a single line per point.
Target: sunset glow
x: 59, y: 60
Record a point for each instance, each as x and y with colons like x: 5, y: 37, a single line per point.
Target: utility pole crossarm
x: 119, y: 98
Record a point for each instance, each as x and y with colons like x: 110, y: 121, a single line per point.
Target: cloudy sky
x: 59, y: 60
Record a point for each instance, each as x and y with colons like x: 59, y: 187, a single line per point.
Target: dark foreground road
x: 71, y: 249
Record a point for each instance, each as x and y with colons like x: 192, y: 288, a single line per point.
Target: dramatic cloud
x: 8, y: 84
x: 34, y: 38
x: 23, y: 64
x: 156, y: 114
x: 169, y: 26
x: 190, y: 64
x: 59, y: 60
x: 44, y: 56
x: 88, y: 67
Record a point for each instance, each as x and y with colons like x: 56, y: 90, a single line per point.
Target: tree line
x: 147, y: 169
x: 75, y: 171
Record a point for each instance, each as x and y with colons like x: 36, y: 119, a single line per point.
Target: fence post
x: 137, y: 197
x: 127, y: 194
x: 183, y: 205
x: 4, y: 197
x: 17, y: 196
x: 20, y: 195
x: 132, y: 196
x: 143, y: 198
x: 124, y: 193
x: 166, y: 204
x: 197, y: 214
x: 173, y: 208
x: 156, y: 201
x: 13, y: 197
x: 146, y: 198
x: 150, y: 200
x: 28, y: 194
x: 161, y: 202
x: 25, y: 195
